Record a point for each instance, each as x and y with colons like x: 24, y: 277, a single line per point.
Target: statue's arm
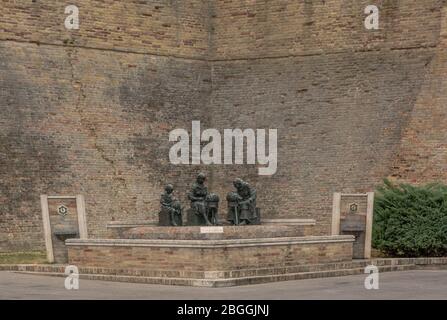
x: 165, y: 203
x: 252, y: 197
x: 253, y: 194
x: 192, y: 197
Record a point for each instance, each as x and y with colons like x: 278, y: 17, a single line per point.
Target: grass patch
x: 23, y: 257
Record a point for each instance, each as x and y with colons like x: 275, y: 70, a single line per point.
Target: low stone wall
x: 209, y: 255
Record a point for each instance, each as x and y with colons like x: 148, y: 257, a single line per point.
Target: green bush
x: 410, y: 220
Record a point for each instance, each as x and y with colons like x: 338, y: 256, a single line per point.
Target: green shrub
x: 410, y: 220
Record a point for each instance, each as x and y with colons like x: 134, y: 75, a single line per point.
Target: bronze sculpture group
x: 242, y: 208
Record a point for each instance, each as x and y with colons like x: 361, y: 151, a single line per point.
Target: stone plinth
x: 209, y: 255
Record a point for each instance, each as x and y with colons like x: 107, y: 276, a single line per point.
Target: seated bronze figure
x: 204, y: 205
x: 242, y: 204
x: 171, y: 210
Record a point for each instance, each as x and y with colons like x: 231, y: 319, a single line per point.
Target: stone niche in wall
x: 63, y: 218
x: 352, y: 214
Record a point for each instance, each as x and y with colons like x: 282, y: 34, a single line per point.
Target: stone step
x: 235, y: 277
x: 297, y: 276
x: 218, y: 282
x: 272, y: 270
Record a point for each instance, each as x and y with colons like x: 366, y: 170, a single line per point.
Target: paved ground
x: 422, y: 284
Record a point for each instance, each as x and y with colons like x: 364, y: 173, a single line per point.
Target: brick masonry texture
x: 93, y: 122
x: 261, y: 28
x: 163, y: 27
x: 89, y: 111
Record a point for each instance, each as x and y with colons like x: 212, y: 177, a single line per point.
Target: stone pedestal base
x: 209, y: 255
x: 193, y: 219
x: 214, y: 256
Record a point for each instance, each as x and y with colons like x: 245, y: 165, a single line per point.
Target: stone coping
x: 131, y: 223
x: 226, y: 243
x: 139, y: 223
x: 301, y: 222
x: 213, y: 232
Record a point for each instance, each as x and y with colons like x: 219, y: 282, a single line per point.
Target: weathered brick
x: 89, y: 111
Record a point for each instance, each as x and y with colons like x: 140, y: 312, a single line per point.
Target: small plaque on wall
x: 211, y: 230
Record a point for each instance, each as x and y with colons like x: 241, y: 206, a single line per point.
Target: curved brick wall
x: 89, y: 111
x: 351, y: 106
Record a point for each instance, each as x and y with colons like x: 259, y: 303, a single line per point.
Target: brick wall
x: 264, y: 29
x: 339, y: 122
x: 95, y: 123
x: 351, y: 106
x: 163, y: 27
x: 92, y: 115
x: 422, y: 154
x: 89, y: 111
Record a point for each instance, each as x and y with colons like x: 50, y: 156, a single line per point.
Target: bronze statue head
x: 238, y: 183
x: 201, y: 178
x: 169, y: 188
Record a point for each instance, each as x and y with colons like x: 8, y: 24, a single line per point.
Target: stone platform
x: 209, y: 255
x: 214, y: 254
